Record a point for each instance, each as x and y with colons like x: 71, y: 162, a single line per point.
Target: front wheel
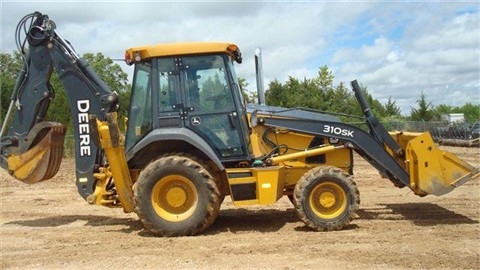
x: 175, y: 195
x: 326, y: 198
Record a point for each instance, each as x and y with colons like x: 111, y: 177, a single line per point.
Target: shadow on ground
x: 268, y: 220
x: 263, y: 220
x: 422, y: 214
x: 91, y: 220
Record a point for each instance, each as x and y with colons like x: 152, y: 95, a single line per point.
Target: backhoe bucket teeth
x: 433, y: 171
x: 42, y: 161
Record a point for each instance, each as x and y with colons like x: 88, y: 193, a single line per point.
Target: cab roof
x: 137, y: 54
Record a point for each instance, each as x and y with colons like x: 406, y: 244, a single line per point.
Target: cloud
x: 439, y: 55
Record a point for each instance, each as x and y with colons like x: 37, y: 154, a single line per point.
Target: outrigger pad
x: 433, y: 171
x: 41, y: 161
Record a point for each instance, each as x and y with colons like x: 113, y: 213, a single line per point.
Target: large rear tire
x: 175, y: 195
x: 326, y: 198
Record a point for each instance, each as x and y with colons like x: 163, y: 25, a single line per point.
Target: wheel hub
x: 176, y: 197
x: 327, y: 199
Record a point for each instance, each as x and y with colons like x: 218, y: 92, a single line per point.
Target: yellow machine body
x: 112, y: 142
x: 266, y: 185
x: 263, y: 185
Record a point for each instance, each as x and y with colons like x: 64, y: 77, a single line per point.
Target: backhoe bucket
x: 433, y: 171
x: 42, y: 161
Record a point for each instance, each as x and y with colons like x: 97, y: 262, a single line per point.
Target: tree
x: 113, y: 75
x: 276, y: 94
x: 212, y: 88
x: 324, y: 98
x: 424, y: 112
x: 302, y: 93
x: 59, y: 105
x: 308, y: 93
x: 249, y: 97
x: 10, y: 66
x: 353, y: 106
x: 324, y: 79
x: 471, y: 112
x: 319, y: 93
x: 110, y: 72
x: 441, y: 110
x: 339, y: 99
x: 391, y: 109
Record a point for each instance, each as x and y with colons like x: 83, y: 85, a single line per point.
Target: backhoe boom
x: 30, y: 144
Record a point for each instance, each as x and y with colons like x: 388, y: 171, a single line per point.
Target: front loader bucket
x: 41, y: 161
x: 433, y: 171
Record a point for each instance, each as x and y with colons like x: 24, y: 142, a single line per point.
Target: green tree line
x: 321, y: 94
x: 317, y: 93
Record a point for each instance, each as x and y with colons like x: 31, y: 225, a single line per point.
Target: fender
x: 176, y: 134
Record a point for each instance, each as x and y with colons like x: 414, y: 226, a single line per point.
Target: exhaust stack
x: 259, y: 76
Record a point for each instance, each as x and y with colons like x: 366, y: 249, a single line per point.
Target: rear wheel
x: 175, y: 195
x: 326, y: 198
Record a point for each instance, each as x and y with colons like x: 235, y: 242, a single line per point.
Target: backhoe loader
x: 191, y: 140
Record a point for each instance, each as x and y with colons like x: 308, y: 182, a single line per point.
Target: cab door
x: 211, y: 108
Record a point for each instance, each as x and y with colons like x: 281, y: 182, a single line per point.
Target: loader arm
x: 31, y: 148
x: 406, y: 159
x: 364, y: 144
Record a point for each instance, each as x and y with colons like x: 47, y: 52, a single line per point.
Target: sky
x: 396, y: 48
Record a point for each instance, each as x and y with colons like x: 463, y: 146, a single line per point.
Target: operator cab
x: 191, y: 86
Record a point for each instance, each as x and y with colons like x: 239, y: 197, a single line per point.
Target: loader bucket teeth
x: 433, y: 171
x: 42, y: 161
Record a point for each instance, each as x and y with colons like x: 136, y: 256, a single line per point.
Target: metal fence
x: 438, y: 130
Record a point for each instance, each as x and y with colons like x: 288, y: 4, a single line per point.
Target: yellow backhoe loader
x: 191, y: 140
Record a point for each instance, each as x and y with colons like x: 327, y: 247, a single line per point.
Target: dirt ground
x: 49, y: 226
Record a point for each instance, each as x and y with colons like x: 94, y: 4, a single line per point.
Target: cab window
x: 140, y: 117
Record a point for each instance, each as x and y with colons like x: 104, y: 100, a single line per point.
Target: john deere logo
x: 196, y: 121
